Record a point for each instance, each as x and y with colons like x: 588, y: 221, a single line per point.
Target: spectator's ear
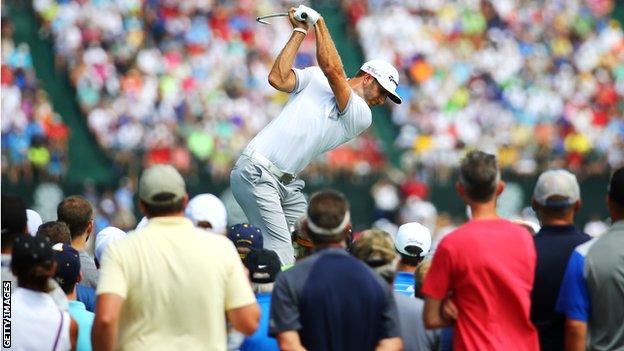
x: 90, y: 227
x: 577, y: 206
x: 500, y: 187
x: 142, y: 208
x: 534, y: 205
x: 185, y: 201
x: 461, y: 191
x: 79, y: 277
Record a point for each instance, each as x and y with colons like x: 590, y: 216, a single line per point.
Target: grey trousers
x: 269, y: 204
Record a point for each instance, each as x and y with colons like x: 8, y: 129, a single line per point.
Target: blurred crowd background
x: 539, y: 83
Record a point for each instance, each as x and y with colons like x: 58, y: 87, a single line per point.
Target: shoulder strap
x: 58, y: 332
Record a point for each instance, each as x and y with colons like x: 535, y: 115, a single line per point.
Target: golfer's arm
x: 331, y: 65
x: 281, y: 76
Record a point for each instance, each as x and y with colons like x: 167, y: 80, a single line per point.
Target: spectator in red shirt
x: 482, y: 273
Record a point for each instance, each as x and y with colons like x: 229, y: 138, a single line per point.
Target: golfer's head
x: 380, y: 80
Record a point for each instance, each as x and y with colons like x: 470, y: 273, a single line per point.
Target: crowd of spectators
x: 34, y: 138
x: 409, y: 288
x: 539, y: 83
x: 183, y: 83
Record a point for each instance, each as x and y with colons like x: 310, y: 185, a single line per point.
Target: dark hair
x: 478, y: 173
x: 167, y: 208
x: 555, y: 212
x: 616, y: 187
x: 14, y: 220
x: 327, y: 210
x: 58, y: 232
x: 410, y: 260
x: 204, y: 224
x: 361, y: 73
x: 76, y: 212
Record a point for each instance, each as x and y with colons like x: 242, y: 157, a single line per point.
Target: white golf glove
x: 306, y: 14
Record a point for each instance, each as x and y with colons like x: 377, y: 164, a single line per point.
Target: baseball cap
x: 616, y: 187
x: 413, y: 239
x: 68, y: 266
x: 387, y: 76
x: 263, y: 266
x: 556, y: 182
x: 207, y: 208
x: 374, y: 247
x: 104, y: 237
x: 245, y: 235
x: 33, y: 221
x: 158, y: 181
x: 32, y: 251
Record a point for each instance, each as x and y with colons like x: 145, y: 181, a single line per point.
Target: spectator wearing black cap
x: 592, y: 290
x: 263, y: 266
x: 245, y: 237
x: 482, y: 273
x: 556, y: 201
x: 330, y: 300
x: 77, y: 213
x: 168, y: 284
x: 14, y: 224
x: 68, y: 275
x: 37, y: 323
x: 375, y: 248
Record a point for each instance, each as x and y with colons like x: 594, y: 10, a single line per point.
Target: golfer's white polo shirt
x: 310, y: 123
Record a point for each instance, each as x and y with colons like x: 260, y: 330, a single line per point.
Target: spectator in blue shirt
x: 592, y: 291
x: 556, y: 201
x: 412, y: 242
x: 68, y: 275
x: 263, y: 266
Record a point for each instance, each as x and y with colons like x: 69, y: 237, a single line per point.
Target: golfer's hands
x: 307, y: 14
x: 296, y: 23
x: 449, y: 310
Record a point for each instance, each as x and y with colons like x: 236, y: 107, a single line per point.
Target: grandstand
x: 107, y: 88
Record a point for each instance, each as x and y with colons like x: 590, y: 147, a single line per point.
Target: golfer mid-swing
x: 324, y: 110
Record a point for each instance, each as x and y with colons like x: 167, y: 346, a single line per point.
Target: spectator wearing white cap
x: 556, y: 201
x: 169, y: 285
x: 412, y: 242
x: 34, y: 221
x: 104, y: 238
x: 207, y: 212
